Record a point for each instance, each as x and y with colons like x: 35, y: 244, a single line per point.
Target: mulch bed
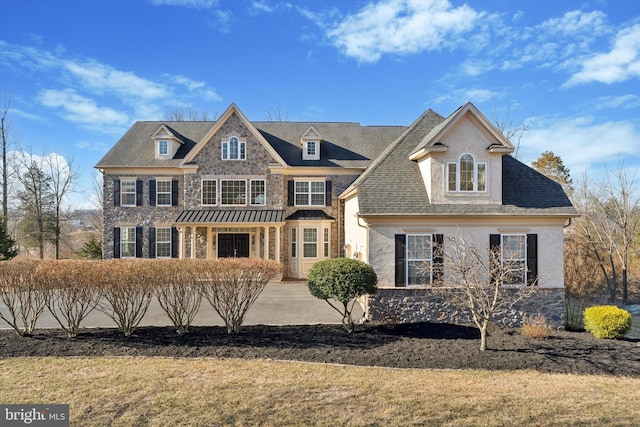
x: 418, y: 345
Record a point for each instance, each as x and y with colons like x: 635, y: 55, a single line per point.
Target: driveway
x: 281, y: 303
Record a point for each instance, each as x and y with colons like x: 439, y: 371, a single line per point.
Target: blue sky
x: 81, y: 72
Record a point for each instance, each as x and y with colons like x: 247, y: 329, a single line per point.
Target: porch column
x: 277, y: 254
x: 266, y: 243
x: 193, y: 242
x: 182, y: 246
x: 209, y: 243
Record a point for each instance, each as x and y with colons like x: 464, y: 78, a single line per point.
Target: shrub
x: 177, y: 292
x: 343, y: 280
x: 73, y: 291
x: 232, y: 285
x: 127, y: 287
x: 535, y: 326
x: 607, y: 321
x: 23, y: 294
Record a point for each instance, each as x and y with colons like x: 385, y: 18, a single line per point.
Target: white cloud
x: 461, y: 96
x: 401, y: 28
x: 580, y: 141
x: 84, y: 111
x: 194, y: 4
x: 92, y: 146
x: 617, y: 65
x: 260, y: 6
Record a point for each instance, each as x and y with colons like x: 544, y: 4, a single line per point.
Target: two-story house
x: 301, y: 192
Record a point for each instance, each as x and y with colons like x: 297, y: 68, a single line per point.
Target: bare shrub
x: 232, y: 285
x: 23, y: 295
x: 535, y: 326
x: 581, y: 280
x: 127, y: 287
x: 178, y: 294
x: 73, y: 291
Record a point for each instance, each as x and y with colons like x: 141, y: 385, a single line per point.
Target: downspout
x: 364, y: 301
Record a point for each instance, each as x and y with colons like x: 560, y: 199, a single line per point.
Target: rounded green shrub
x: 342, y: 280
x: 607, y: 321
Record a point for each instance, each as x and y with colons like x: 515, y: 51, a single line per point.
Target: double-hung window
x: 233, y: 192
x: 466, y: 175
x: 258, y: 192
x: 209, y: 190
x: 326, y: 242
x: 234, y: 149
x: 163, y: 242
x: 294, y: 242
x: 513, y: 258
x: 127, y: 242
x: 127, y: 193
x: 310, y: 242
x: 163, y: 193
x: 163, y: 147
x: 310, y: 193
x: 419, y: 259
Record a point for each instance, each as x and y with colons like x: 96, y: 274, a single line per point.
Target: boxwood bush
x: 607, y: 321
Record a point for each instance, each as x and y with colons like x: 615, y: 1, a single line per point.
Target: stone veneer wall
x: 409, y: 305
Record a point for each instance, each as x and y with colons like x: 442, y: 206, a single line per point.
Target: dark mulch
x: 419, y: 345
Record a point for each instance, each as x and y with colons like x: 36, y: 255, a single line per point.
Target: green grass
x: 208, y: 392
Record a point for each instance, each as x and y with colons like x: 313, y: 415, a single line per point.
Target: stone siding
x: 410, y: 305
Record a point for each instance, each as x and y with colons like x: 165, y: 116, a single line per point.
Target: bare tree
x: 4, y: 141
x: 277, y: 114
x: 188, y: 114
x: 62, y: 175
x: 509, y: 128
x: 485, y: 281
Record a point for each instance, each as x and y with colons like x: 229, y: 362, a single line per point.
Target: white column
x: 182, y: 245
x: 209, y: 243
x: 266, y: 243
x: 193, y: 242
x: 277, y: 254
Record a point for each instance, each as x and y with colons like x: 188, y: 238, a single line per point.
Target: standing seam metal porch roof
x: 230, y: 216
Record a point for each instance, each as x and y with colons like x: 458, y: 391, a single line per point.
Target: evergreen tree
x: 552, y: 166
x: 92, y: 249
x: 8, y: 248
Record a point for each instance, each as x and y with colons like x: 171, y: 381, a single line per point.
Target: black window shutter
x: 401, y: 256
x: 494, y: 255
x: 175, y: 242
x: 152, y: 242
x: 116, y: 192
x: 174, y: 192
x: 438, y: 259
x: 152, y: 192
x: 138, y: 242
x: 327, y: 193
x: 290, y: 193
x: 532, y: 259
x: 116, y: 242
x: 138, y: 192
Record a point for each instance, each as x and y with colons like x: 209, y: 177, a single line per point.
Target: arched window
x: 233, y: 149
x: 467, y: 175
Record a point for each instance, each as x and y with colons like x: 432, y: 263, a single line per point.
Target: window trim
x: 159, y: 242
x: 123, y: 193
x: 264, y: 194
x: 215, y: 192
x: 305, y: 242
x: 294, y: 242
x: 233, y: 204
x: 408, y: 259
x: 524, y: 259
x: 457, y: 175
x: 326, y: 242
x: 161, y: 143
x: 226, y: 154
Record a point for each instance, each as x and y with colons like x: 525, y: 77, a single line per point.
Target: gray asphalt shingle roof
x: 219, y: 216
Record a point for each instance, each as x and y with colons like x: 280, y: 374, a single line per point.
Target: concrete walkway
x: 281, y: 303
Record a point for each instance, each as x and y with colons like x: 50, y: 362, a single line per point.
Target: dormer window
x: 310, y: 141
x: 163, y: 147
x: 466, y: 175
x: 234, y: 149
x: 311, y: 150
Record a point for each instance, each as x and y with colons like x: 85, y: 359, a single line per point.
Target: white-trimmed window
x: 310, y: 193
x: 325, y: 242
x: 294, y: 242
x: 163, y: 242
x: 127, y: 242
x: 419, y: 259
x: 163, y: 193
x: 234, y: 149
x: 258, y: 192
x: 127, y: 193
x: 209, y: 190
x: 513, y: 257
x: 310, y: 242
x: 466, y: 175
x: 311, y: 150
x: 233, y: 192
x: 163, y: 147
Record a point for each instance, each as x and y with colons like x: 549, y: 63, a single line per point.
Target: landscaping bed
x: 418, y: 345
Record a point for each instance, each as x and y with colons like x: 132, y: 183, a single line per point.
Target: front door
x: 233, y: 245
